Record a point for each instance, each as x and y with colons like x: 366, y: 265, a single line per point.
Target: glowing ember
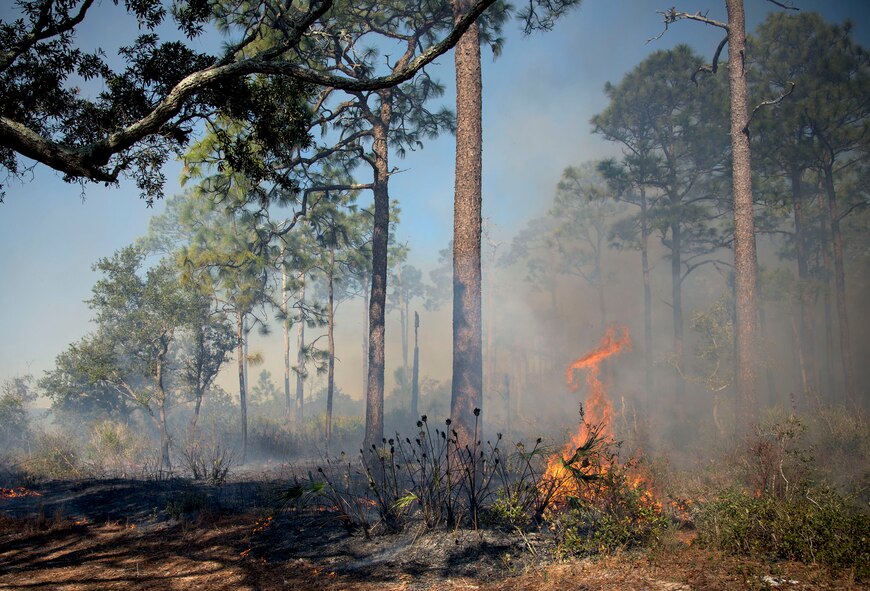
x: 16, y: 493
x: 598, y: 408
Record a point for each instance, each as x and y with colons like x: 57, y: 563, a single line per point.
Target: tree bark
x: 165, y: 460
x: 415, y: 378
x: 647, y: 316
x: 243, y: 393
x: 374, y: 430
x: 467, y: 390
x: 330, y: 335
x: 300, y: 355
x: 745, y: 261
x: 806, y: 332
x: 839, y: 282
x: 285, y: 307
x: 677, y: 299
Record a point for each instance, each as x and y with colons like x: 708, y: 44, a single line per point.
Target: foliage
x: 54, y: 455
x: 15, y: 397
x: 819, y: 526
x: 612, y: 513
x: 113, y: 449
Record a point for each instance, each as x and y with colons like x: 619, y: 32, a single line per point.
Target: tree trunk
x: 677, y: 298
x: 165, y: 460
x: 839, y: 282
x: 365, y: 332
x: 415, y: 378
x: 467, y: 390
x: 404, y: 325
x: 826, y: 301
x: 745, y: 262
x: 300, y: 356
x: 243, y: 393
x: 806, y: 332
x: 374, y: 431
x: 647, y: 310
x: 285, y: 307
x: 330, y: 335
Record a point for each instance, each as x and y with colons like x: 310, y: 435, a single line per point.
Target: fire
x: 598, y: 408
x: 16, y: 493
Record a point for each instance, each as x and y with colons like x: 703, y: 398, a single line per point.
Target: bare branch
x: 714, y: 66
x: 769, y: 103
x: 783, y: 5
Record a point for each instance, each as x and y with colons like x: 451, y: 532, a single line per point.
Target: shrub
x: 615, y: 511
x: 821, y: 526
x: 206, y: 458
x: 113, y: 449
x: 54, y: 455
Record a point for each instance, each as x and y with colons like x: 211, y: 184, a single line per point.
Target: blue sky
x: 538, y: 99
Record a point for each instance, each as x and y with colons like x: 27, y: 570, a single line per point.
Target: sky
x: 539, y: 96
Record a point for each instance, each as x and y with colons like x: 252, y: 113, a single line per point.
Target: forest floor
x: 123, y: 534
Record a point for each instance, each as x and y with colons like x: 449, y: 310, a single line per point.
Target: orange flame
x: 15, y: 493
x: 598, y: 408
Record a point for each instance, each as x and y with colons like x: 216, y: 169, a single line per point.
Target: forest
x: 633, y: 361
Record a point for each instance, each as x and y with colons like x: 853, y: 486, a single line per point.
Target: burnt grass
x: 178, y: 534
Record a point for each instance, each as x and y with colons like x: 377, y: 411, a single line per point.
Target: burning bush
x: 616, y: 511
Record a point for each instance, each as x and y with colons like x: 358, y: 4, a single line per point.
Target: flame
x: 598, y: 409
x: 16, y: 493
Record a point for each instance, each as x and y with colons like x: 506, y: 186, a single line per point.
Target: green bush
x: 611, y: 513
x: 821, y: 526
x: 113, y: 449
x: 54, y: 455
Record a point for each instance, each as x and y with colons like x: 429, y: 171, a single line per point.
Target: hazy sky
x: 539, y: 96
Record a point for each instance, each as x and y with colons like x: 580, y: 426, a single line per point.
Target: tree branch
x: 88, y: 161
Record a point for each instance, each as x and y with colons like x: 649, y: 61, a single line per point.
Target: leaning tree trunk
x: 467, y: 389
x: 745, y: 262
x: 374, y: 430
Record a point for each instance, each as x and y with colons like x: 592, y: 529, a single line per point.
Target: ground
x: 122, y: 534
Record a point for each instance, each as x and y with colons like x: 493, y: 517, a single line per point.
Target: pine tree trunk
x: 300, y: 356
x: 330, y: 335
x: 839, y: 282
x: 745, y: 261
x: 647, y: 308
x: 415, y: 378
x: 827, y: 271
x: 677, y: 298
x: 285, y: 308
x: 243, y: 393
x: 806, y: 332
x: 365, y: 331
x: 467, y: 388
x: 374, y: 429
